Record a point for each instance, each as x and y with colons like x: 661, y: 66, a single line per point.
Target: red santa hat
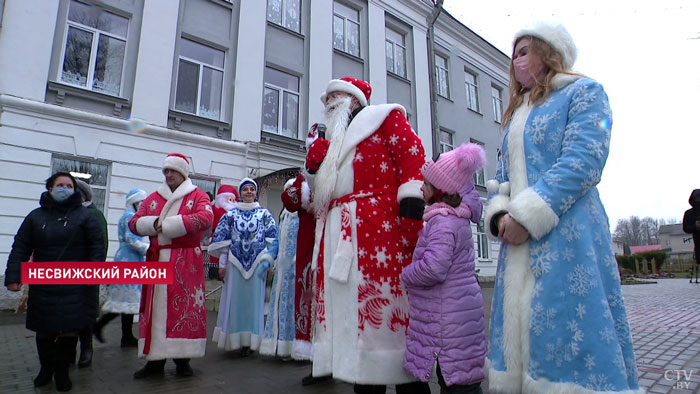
x: 225, y: 191
x: 357, y: 88
x: 177, y: 162
x: 454, y: 168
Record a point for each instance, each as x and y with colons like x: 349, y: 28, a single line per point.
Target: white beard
x: 336, y: 119
x: 223, y: 202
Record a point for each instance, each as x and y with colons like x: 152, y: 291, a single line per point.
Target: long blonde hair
x: 554, y: 63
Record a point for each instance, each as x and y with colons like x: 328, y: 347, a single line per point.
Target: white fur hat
x: 177, y: 162
x: 556, y: 36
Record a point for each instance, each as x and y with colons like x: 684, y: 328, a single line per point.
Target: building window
x: 285, y: 13
x: 443, y: 76
x: 93, y: 173
x: 472, y: 91
x: 497, y: 101
x: 93, y: 56
x: 395, y: 52
x: 446, y: 141
x: 281, y: 103
x: 482, y: 242
x: 480, y: 175
x: 206, y: 185
x: 346, y: 29
x: 200, y: 79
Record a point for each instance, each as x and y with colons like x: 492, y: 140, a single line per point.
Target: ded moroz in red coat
x: 172, y: 318
x: 361, y: 309
x: 297, y: 198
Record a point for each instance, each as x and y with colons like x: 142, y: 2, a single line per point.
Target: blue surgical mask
x: 60, y: 194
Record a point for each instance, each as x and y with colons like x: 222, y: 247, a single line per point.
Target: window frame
x: 443, y: 144
x: 483, y: 245
x: 345, y: 29
x: 284, y: 15
x: 280, y: 103
x: 394, y: 44
x: 76, y: 159
x: 200, y: 66
x: 446, y: 71
x: 96, y: 34
x: 480, y: 174
x: 497, y: 101
x: 475, y: 87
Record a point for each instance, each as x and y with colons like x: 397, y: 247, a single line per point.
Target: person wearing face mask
x: 245, y: 241
x: 61, y: 229
x: 558, y: 320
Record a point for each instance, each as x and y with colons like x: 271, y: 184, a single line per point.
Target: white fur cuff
x: 305, y: 195
x: 174, y: 227
x: 410, y: 189
x: 495, y: 205
x: 144, y: 225
x: 533, y: 213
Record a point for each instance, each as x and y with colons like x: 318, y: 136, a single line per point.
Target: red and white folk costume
x: 172, y: 318
x: 361, y: 307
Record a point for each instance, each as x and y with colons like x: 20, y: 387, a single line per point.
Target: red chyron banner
x: 97, y: 273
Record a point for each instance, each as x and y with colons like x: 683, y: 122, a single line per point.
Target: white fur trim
x: 236, y: 340
x: 136, y: 197
x: 263, y: 256
x: 492, y: 186
x: 561, y: 80
x: 533, y: 213
x: 342, y: 260
x: 174, y: 227
x: 504, y: 189
x: 174, y: 199
x: 305, y: 195
x: 338, y: 85
x: 219, y: 249
x: 495, y: 205
x: 178, y: 164
x: 410, y: 189
x: 556, y: 36
x: 302, y: 350
x: 144, y: 226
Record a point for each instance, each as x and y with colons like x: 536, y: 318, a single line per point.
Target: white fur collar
x: 561, y: 80
x: 247, y: 206
x: 171, y: 197
x: 365, y: 124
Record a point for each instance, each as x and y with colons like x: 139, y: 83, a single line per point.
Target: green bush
x: 627, y: 262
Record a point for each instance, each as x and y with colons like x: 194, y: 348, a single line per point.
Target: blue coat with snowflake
x: 558, y: 322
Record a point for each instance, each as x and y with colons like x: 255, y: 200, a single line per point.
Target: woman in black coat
x: 60, y: 230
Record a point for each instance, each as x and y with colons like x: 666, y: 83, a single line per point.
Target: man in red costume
x: 369, y: 207
x: 172, y: 318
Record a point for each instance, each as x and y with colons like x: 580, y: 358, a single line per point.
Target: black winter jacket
x: 690, y: 219
x: 58, y: 232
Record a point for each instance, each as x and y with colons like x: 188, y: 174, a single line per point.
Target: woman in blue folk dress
x: 278, y: 338
x: 245, y: 241
x: 124, y: 300
x: 558, y: 320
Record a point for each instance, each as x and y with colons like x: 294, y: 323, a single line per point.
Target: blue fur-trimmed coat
x: 563, y: 284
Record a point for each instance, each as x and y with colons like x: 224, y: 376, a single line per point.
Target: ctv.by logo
x: 681, y: 376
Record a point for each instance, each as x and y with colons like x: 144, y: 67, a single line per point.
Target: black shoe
x: 152, y: 368
x: 100, y: 325
x: 245, y: 351
x: 46, y: 347
x: 309, y: 379
x: 182, y: 367
x: 85, y: 359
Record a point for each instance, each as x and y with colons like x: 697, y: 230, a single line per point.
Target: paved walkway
x: 664, y: 319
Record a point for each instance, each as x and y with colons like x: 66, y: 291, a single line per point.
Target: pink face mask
x: 521, y: 66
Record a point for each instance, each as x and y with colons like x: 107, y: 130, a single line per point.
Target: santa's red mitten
x: 408, y: 232
x: 317, y: 152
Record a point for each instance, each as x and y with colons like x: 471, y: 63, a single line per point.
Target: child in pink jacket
x: 446, y: 328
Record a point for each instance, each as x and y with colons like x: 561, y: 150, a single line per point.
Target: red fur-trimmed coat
x: 172, y: 318
x: 361, y: 307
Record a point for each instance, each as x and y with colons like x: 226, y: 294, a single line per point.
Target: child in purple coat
x: 446, y: 328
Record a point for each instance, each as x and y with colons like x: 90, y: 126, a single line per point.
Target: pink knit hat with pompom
x: 454, y: 168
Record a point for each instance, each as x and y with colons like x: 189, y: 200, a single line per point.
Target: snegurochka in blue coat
x: 558, y: 320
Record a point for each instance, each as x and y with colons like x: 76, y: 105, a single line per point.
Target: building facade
x: 679, y: 244
x: 106, y: 88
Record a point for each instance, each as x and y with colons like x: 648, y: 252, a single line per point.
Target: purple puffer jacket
x: 447, y: 309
